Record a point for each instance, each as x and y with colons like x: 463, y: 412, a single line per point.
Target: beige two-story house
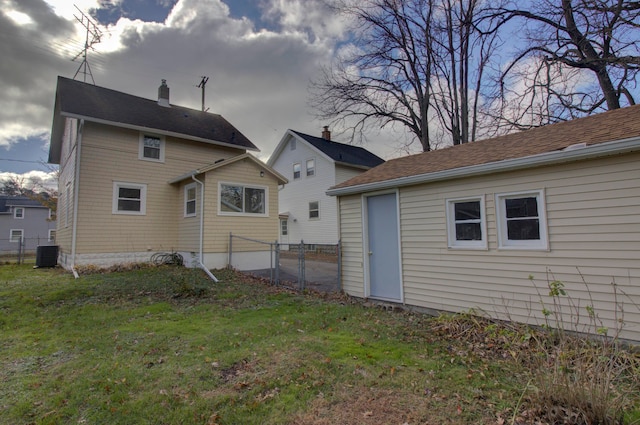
x: 140, y: 176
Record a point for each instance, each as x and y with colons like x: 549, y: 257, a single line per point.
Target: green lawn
x: 168, y: 346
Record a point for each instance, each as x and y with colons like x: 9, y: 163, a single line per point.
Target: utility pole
x: 94, y: 31
x: 202, y: 84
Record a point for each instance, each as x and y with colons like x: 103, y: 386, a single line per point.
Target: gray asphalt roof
x: 340, y: 152
x: 79, y: 99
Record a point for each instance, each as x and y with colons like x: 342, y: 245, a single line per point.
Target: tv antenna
x: 92, y: 37
x: 202, y: 84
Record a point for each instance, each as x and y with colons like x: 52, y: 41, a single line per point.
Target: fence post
x: 277, y: 249
x: 20, y: 250
x: 230, y: 265
x: 301, y: 276
x: 339, y: 254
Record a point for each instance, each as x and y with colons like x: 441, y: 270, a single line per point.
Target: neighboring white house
x: 312, y: 165
x: 465, y: 227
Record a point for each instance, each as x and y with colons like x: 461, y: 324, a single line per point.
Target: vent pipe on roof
x: 326, y: 134
x: 163, y: 94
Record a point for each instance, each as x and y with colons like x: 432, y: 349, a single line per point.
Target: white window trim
x: 541, y: 244
x: 453, y: 243
x: 141, y: 148
x: 15, y: 213
x: 143, y: 198
x: 194, y: 200
x: 49, y: 238
x: 243, y: 214
x: 306, y: 162
x: 314, y: 218
x: 11, y: 238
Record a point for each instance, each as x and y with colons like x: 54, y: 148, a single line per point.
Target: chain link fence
x: 21, y: 250
x: 294, y: 265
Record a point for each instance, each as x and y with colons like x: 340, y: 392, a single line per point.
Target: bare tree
x: 417, y: 63
x: 384, y: 77
x: 580, y: 56
x: 462, y: 51
x: 33, y: 188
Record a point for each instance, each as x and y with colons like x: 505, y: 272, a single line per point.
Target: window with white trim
x: 52, y: 235
x: 314, y: 210
x: 466, y: 226
x: 16, y: 235
x: 311, y: 167
x: 522, y: 222
x: 190, y: 200
x: 129, y: 198
x: 18, y: 212
x: 296, y: 170
x: 284, y: 227
x: 151, y: 148
x: 238, y: 199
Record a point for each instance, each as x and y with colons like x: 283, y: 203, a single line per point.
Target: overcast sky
x: 259, y: 56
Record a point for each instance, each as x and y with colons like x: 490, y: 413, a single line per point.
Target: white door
x: 383, y: 250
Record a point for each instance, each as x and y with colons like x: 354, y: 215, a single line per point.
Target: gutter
x: 547, y: 158
x: 76, y: 190
x: 200, y: 248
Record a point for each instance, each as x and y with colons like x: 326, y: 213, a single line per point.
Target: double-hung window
x: 190, y: 200
x: 314, y: 210
x: 466, y: 226
x: 238, y: 199
x: 16, y: 235
x: 151, y: 148
x: 129, y: 198
x: 18, y: 212
x: 311, y: 167
x: 522, y: 222
x: 296, y: 170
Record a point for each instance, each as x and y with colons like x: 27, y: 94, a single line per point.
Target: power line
x: 20, y: 160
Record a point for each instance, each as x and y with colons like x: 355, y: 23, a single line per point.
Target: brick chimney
x: 326, y: 134
x: 163, y: 94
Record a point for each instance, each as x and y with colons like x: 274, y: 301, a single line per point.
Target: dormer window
x: 151, y: 148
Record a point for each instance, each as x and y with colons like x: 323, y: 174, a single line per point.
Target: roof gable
x: 616, y: 125
x: 93, y: 103
x: 226, y: 162
x: 340, y: 153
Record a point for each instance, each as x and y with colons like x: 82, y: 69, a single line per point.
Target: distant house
x: 140, y: 176
x: 312, y: 165
x: 25, y: 220
x: 466, y: 227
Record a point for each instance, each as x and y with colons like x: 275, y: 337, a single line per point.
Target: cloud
x: 257, y: 78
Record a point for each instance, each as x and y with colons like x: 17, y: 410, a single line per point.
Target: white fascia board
x: 156, y: 131
x: 547, y: 158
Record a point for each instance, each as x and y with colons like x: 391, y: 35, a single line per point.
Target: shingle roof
x: 343, y: 153
x: 596, y: 129
x: 82, y: 100
x: 6, y: 202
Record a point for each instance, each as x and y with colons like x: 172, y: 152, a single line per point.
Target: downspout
x: 76, y: 190
x: 201, y: 246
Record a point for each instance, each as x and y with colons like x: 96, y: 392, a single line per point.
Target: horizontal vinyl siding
x: 189, y: 227
x: 352, y: 245
x: 593, y: 217
x: 218, y: 227
x: 294, y: 198
x: 110, y: 154
x: 64, y: 209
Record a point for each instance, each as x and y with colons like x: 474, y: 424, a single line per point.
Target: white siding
x: 593, y: 212
x: 294, y: 198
